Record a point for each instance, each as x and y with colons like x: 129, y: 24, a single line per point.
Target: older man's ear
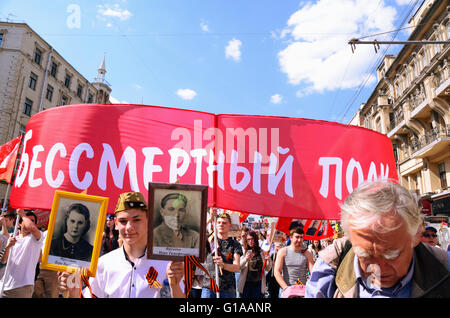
x: 416, y: 239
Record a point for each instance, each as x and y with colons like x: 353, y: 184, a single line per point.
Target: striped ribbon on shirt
x: 84, y: 278
x: 151, y: 278
x: 189, y: 261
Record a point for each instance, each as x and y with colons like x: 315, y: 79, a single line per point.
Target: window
x: 67, y: 81
x: 394, y: 147
x: 442, y: 175
x: 90, y: 98
x: 64, y: 100
x: 1, y: 39
x: 49, y: 94
x: 424, y: 59
x: 27, y: 107
x: 378, y: 125
x: 447, y: 26
x: 33, y: 81
x: 37, y: 56
x: 79, y: 90
x: 54, y: 69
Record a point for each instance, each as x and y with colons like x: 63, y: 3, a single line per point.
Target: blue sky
x: 263, y: 57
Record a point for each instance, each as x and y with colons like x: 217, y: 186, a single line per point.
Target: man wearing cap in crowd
x: 122, y: 273
x: 172, y: 232
x: 429, y: 236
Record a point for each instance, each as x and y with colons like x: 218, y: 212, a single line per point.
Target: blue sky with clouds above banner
x: 264, y: 57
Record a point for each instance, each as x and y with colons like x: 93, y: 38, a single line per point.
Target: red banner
x: 273, y: 166
x: 8, y: 156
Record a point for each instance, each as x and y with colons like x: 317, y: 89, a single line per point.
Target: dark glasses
x: 429, y: 235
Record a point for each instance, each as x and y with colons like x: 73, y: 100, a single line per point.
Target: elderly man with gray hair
x: 381, y: 254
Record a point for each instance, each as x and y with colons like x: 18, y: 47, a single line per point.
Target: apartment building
x: 411, y: 105
x: 35, y: 77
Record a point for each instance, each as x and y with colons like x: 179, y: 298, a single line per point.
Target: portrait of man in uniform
x: 177, y: 215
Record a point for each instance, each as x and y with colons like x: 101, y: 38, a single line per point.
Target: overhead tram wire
x: 135, y: 51
x: 378, y: 61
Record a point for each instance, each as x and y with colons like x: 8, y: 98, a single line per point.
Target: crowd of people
x: 387, y: 251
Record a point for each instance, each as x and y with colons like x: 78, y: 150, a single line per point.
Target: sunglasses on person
x: 427, y: 235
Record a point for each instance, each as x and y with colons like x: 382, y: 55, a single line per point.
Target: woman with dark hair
x: 252, y: 282
x: 72, y: 244
x: 110, y: 236
x: 315, y: 248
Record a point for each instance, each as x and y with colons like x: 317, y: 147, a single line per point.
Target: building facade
x: 411, y: 105
x: 35, y: 77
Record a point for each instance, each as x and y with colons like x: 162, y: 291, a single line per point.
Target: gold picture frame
x: 62, y: 251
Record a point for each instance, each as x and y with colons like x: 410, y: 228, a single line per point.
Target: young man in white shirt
x: 23, y: 252
x: 122, y: 272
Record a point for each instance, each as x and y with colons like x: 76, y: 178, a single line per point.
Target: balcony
x: 433, y: 142
x: 396, y: 124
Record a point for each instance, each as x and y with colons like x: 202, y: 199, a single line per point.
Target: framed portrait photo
x: 75, y: 231
x: 177, y: 221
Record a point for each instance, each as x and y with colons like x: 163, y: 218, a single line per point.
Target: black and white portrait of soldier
x: 176, y: 228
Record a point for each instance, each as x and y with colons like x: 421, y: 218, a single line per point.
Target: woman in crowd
x: 252, y: 280
x: 110, y: 236
x: 315, y: 247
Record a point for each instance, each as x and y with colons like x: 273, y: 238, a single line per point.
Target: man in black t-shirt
x: 228, y: 259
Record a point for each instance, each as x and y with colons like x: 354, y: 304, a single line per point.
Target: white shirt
x: 118, y: 278
x: 23, y: 258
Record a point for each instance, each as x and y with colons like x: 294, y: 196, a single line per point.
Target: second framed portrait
x: 74, y: 232
x: 177, y: 221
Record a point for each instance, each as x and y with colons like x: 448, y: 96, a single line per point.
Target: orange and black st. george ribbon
x: 189, y: 261
x: 84, y: 278
x: 151, y: 278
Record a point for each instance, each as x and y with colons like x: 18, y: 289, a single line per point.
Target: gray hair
x: 372, y: 200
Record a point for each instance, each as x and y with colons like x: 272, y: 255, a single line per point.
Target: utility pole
x: 376, y: 43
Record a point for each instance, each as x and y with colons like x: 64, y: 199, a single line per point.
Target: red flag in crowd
x: 283, y: 225
x: 243, y: 216
x: 314, y: 229
x: 8, y: 156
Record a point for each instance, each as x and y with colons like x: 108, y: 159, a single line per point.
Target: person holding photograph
x: 122, y: 273
x: 172, y: 232
x: 71, y: 243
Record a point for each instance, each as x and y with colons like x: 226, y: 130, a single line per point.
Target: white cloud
x: 318, y: 54
x: 276, y: 99
x: 233, y: 50
x: 186, y: 93
x: 114, y: 100
x: 114, y: 11
x: 204, y: 26
x: 136, y: 86
x: 402, y: 2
